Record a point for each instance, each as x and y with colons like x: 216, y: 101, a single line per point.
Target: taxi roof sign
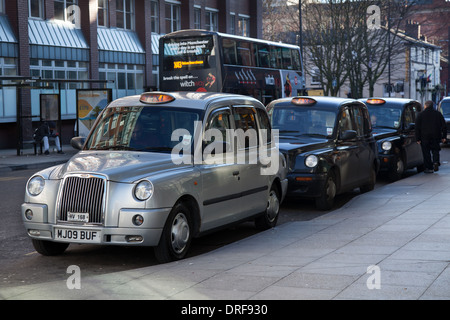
x: 376, y: 101
x: 303, y: 101
x: 156, y: 97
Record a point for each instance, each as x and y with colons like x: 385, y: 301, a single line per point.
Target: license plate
x: 78, y: 235
x: 78, y: 217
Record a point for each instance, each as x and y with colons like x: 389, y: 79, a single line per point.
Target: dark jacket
x: 430, y: 124
x: 42, y: 131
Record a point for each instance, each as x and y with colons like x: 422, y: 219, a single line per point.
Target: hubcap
x: 273, y: 206
x: 179, y: 233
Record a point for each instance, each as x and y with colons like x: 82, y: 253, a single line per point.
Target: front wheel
x: 326, y: 199
x: 372, y: 181
x: 397, y: 171
x: 177, y: 235
x: 270, y: 217
x: 49, y: 248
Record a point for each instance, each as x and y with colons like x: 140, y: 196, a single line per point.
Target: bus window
x: 229, y: 51
x: 263, y: 56
x: 275, y: 57
x: 244, y: 54
x: 296, y: 59
x: 286, y: 58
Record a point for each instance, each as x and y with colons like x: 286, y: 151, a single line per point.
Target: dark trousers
x: 430, y: 151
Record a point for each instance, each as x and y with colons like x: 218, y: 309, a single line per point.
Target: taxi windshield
x: 295, y: 121
x: 385, y: 116
x: 142, y: 128
x: 445, y: 108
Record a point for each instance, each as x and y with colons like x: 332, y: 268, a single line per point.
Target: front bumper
x: 387, y: 162
x: 124, y: 233
x: 306, y: 185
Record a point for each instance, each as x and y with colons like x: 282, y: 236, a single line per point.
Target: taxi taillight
x: 303, y: 101
x: 156, y: 97
x: 376, y: 101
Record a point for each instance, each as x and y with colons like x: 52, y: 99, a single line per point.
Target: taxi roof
x: 391, y: 101
x: 194, y: 100
x: 331, y: 103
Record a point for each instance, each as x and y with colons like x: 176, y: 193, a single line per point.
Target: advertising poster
x: 89, y: 105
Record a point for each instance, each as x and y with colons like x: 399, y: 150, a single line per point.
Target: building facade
x: 94, y: 44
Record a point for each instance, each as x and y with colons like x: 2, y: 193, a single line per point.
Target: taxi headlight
x: 143, y: 190
x: 35, y: 185
x: 386, y: 145
x: 311, y: 161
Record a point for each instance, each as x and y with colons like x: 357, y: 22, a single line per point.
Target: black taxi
x: 393, y: 122
x: 444, y: 108
x: 329, y: 146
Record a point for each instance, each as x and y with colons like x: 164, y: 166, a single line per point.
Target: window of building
x: 244, y: 26
x: 154, y: 16
x: 58, y: 69
x: 125, y: 14
x: 197, y: 18
x: 36, y: 9
x: 126, y: 77
x: 62, y: 10
x: 173, y: 21
x: 232, y: 23
x: 102, y: 15
x: 212, y: 20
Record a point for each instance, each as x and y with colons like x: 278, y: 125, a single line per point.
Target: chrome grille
x: 83, y: 195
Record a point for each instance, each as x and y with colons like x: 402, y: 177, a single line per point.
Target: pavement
x: 388, y: 244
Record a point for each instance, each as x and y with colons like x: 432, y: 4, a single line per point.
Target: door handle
x: 235, y: 173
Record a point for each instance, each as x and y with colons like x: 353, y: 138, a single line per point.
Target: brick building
x: 94, y: 44
x: 433, y: 19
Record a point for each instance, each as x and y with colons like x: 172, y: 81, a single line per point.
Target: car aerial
x: 444, y: 108
x: 157, y: 170
x: 393, y: 121
x: 328, y: 144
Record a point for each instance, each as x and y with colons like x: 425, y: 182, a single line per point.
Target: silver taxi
x: 157, y: 170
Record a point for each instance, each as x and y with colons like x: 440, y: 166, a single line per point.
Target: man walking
x: 431, y: 130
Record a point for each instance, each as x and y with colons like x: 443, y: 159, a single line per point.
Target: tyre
x: 270, y: 217
x: 397, y: 171
x: 372, y: 181
x: 326, y: 200
x: 49, y: 248
x: 176, y: 236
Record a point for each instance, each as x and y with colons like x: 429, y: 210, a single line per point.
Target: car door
x: 254, y: 184
x: 220, y: 176
x: 412, y: 149
x: 364, y: 151
x: 347, y: 156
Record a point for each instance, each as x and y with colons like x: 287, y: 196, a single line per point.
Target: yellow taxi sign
x: 303, y: 101
x: 156, y: 97
x: 376, y: 101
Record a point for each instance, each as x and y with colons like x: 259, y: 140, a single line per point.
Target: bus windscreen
x: 189, y: 64
x: 188, y: 53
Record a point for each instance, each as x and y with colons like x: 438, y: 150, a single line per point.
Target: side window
x: 346, y: 123
x: 359, y: 121
x: 410, y: 116
x: 245, y: 119
x: 219, y: 120
x: 264, y: 126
